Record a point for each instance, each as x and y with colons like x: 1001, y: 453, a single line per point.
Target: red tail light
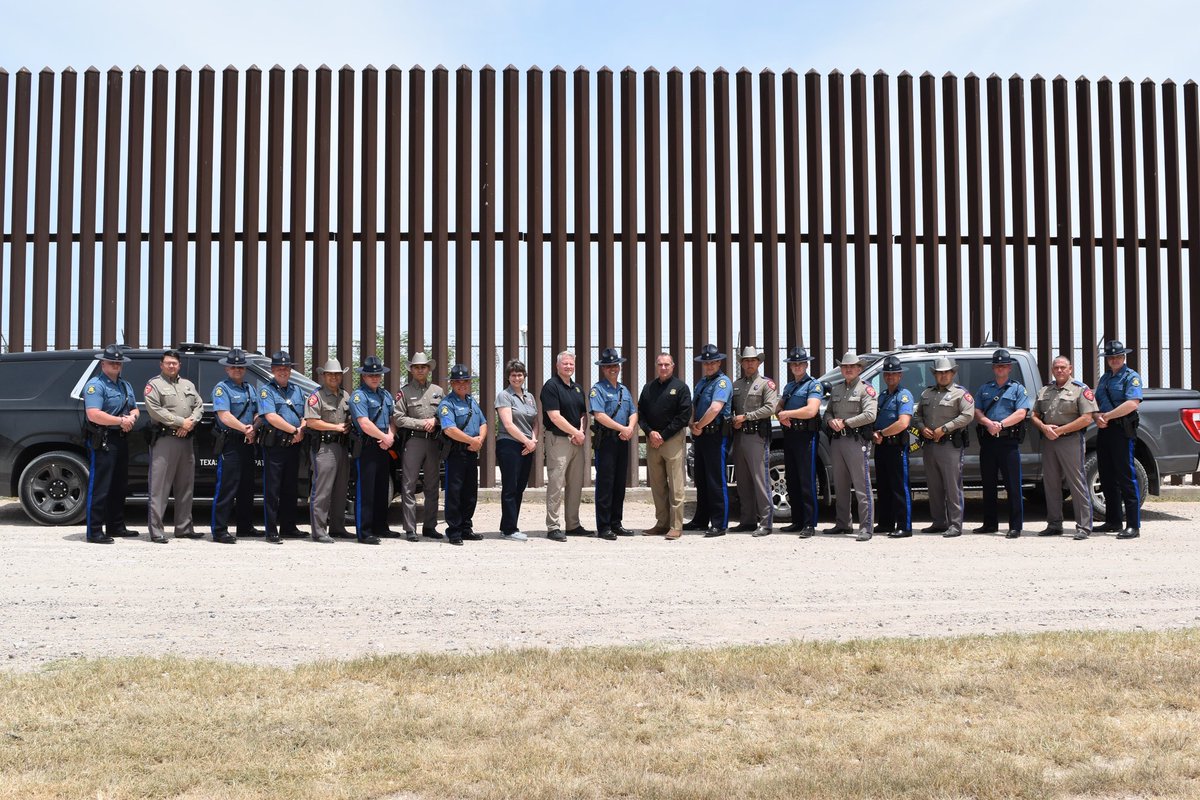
x: 1191, y: 421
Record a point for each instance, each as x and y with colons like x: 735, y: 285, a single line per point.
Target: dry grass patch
x: 1058, y: 715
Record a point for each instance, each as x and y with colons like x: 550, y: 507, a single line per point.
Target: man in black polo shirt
x: 564, y: 418
x: 664, y: 411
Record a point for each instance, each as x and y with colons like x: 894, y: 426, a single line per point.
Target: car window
x: 974, y: 373
x: 139, y: 371
x: 26, y: 380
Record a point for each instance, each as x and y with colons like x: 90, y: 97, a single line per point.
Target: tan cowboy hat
x: 419, y: 359
x: 333, y: 365
x: 851, y: 359
x: 750, y: 351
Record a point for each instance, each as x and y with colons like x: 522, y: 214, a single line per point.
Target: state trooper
x: 710, y: 429
x: 327, y: 425
x: 371, y: 409
x: 894, y: 513
x: 175, y: 408
x: 754, y: 399
x: 281, y: 429
x: 942, y: 416
x: 235, y: 407
x: 465, y: 429
x: 1000, y: 413
x: 799, y: 412
x: 1062, y: 412
x: 852, y: 409
x: 1118, y: 395
x: 614, y: 424
x: 416, y: 423
x: 111, y: 412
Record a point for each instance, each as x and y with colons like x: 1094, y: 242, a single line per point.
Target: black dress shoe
x: 257, y: 532
x: 368, y: 539
x: 695, y: 526
x: 556, y: 536
x: 454, y: 540
x: 274, y: 538
x: 743, y: 527
x: 192, y: 535
x: 713, y: 533
x: 903, y: 534
x: 884, y: 529
x: 986, y: 529
x: 1129, y: 533
x: 430, y: 532
x: 758, y: 532
x: 101, y: 540
x: 1107, y: 528
x: 340, y: 534
x: 580, y: 531
x: 1013, y: 533
x: 390, y: 534
x: 808, y: 533
x: 834, y: 531
x: 935, y: 529
x: 412, y: 536
x: 1051, y: 531
x: 224, y: 538
x: 472, y: 536
x: 125, y: 533
x: 620, y: 530
x: 607, y: 535
x: 793, y: 527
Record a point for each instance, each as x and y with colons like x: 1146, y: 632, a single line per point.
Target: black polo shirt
x: 665, y: 407
x: 566, y: 399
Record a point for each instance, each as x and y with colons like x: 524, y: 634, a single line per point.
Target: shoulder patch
x: 593, y: 393
x: 91, y: 389
x: 905, y: 397
x: 357, y: 397
x: 722, y: 384
x: 673, y: 391
x: 263, y: 394
x: 870, y: 390
x: 219, y: 392
x: 148, y: 389
x: 770, y: 384
x: 1089, y: 394
x: 445, y: 410
x: 1136, y: 382
x: 313, y: 400
x: 968, y: 398
x: 577, y: 390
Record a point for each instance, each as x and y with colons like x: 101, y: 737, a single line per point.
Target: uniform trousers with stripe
x: 373, y: 471
x: 891, y: 473
x: 108, y: 477
x: 234, y: 495
x: 1062, y: 462
x: 281, y: 472
x: 800, y: 470
x: 1001, y: 456
x: 851, y: 471
x: 612, y: 464
x: 1118, y: 479
x: 709, y: 454
x: 462, y: 492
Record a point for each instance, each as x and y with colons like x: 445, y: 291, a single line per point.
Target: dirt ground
x: 303, y: 601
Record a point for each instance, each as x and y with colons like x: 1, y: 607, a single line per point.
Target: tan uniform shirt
x: 856, y: 404
x: 169, y: 403
x: 416, y: 404
x: 1063, y: 405
x: 328, y: 406
x: 755, y: 398
x: 953, y: 407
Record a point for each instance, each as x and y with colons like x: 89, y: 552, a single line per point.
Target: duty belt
x: 331, y: 436
x: 433, y: 434
x: 899, y: 438
x: 718, y: 427
x: 862, y: 432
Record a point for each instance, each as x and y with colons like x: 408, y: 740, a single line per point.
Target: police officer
x: 327, y: 425
x: 371, y: 409
x: 1000, y: 414
x: 942, y: 416
x: 175, y: 408
x: 1063, y: 411
x: 710, y: 429
x: 664, y: 411
x: 894, y: 513
x: 281, y: 409
x: 799, y: 412
x: 416, y: 423
x: 235, y: 406
x: 111, y: 412
x: 754, y: 399
x: 852, y: 409
x: 614, y: 424
x: 1118, y: 396
x: 465, y: 427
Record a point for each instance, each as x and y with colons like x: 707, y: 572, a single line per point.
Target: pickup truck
x: 1168, y: 440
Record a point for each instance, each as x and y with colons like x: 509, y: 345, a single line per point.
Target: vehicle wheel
x: 1091, y: 470
x: 777, y: 486
x: 53, y: 488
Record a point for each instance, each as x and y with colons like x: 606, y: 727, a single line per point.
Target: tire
x: 1091, y: 470
x: 777, y: 486
x: 53, y: 488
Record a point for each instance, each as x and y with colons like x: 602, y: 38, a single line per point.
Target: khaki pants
x: 172, y: 471
x: 330, y: 478
x: 943, y: 476
x: 419, y: 453
x: 666, y: 475
x: 1062, y: 461
x: 565, y: 468
x: 750, y: 464
x: 851, y: 471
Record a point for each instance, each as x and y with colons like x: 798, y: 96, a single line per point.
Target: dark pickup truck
x: 42, y: 455
x: 1168, y: 440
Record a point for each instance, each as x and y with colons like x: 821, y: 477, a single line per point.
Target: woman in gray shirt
x: 516, y: 441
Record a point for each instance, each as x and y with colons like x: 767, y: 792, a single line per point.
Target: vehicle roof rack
x: 928, y: 347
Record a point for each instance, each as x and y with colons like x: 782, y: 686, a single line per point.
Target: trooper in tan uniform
x: 175, y: 408
x: 1062, y: 412
x: 416, y: 422
x: 327, y: 424
x: 849, y: 416
x: 754, y: 399
x: 942, y: 416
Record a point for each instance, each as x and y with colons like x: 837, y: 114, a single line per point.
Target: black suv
x: 42, y: 455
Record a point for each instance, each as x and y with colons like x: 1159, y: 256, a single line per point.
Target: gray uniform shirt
x: 755, y: 398
x: 854, y: 403
x: 524, y: 412
x: 415, y: 404
x: 953, y: 407
x: 171, y: 402
x: 328, y: 406
x: 1063, y: 405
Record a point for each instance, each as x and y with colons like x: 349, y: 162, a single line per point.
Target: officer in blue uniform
x: 710, y: 429
x: 614, y: 424
x: 111, y: 411
x: 281, y: 408
x: 799, y: 412
x: 235, y: 405
x: 1001, y: 406
x: 371, y: 409
x: 893, y: 514
x: 465, y: 428
x: 1118, y: 396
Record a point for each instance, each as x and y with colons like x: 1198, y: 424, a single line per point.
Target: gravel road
x: 303, y: 601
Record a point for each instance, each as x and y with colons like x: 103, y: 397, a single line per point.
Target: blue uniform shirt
x: 460, y: 412
x: 1117, y: 387
x: 717, y: 389
x: 374, y: 405
x: 797, y: 393
x: 892, y: 406
x: 111, y: 397
x: 286, y: 402
x: 237, y: 400
x: 1011, y: 397
x: 616, y: 401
